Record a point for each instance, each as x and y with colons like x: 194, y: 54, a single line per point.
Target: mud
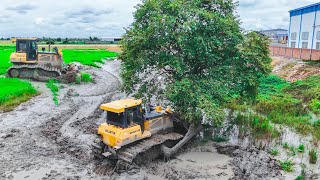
x: 39, y: 140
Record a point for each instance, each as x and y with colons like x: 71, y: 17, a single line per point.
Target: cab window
x: 115, y: 118
x: 132, y: 116
x: 22, y: 46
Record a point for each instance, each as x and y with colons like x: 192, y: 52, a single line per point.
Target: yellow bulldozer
x: 130, y: 130
x: 29, y: 63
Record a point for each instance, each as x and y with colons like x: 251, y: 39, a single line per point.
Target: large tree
x: 194, y: 54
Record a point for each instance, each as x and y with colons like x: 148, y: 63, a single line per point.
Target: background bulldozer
x: 29, y: 63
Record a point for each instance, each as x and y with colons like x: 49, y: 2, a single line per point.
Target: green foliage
x: 313, y: 156
x: 13, y: 92
x: 308, y: 90
x: 5, y: 52
x: 293, y: 150
x: 271, y: 85
x: 285, y: 145
x: 51, y: 84
x: 287, y: 165
x: 301, y: 148
x: 258, y: 125
x: 314, y: 105
x: 274, y: 151
x: 280, y: 103
x: 200, y: 53
x: 302, y: 175
x: 87, y: 56
x: 84, y: 77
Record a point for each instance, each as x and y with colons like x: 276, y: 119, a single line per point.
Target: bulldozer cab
x: 124, y: 113
x: 28, y: 46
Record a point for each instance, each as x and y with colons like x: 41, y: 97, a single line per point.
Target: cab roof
x: 27, y: 39
x: 120, y: 105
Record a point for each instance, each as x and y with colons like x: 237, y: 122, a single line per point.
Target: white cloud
x: 40, y: 21
x: 257, y: 14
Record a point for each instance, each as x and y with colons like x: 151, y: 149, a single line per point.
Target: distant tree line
x: 7, y: 39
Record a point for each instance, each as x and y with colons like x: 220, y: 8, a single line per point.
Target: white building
x: 304, y: 28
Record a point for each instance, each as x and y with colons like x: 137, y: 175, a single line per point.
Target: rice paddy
x: 13, y: 92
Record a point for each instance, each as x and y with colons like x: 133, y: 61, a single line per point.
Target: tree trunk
x: 192, y: 131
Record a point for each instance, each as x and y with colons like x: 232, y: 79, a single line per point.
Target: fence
x: 298, y: 53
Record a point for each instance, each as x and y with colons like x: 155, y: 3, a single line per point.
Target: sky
x: 108, y: 18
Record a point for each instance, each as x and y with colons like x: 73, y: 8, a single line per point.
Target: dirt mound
x: 294, y: 69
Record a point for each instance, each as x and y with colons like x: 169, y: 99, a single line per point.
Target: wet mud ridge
x: 251, y: 163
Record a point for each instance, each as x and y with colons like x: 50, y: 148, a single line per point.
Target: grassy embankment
x: 295, y: 105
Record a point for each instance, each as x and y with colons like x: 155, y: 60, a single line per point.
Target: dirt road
x: 39, y: 140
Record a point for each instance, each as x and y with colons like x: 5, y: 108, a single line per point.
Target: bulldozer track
x: 128, y: 154
x: 29, y: 72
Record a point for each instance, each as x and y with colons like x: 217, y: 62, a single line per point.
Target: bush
x: 274, y: 152
x: 313, y: 156
x: 85, y: 77
x: 287, y: 165
x: 301, y: 148
x: 259, y: 125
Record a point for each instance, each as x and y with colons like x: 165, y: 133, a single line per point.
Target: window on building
x: 318, y: 45
x: 293, y: 44
x: 305, y: 45
x: 294, y: 36
x: 318, y: 35
x: 305, y: 36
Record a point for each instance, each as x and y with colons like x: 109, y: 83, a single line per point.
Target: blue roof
x: 306, y: 9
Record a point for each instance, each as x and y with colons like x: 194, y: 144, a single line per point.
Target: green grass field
x: 88, y: 57
x: 5, y: 52
x: 13, y: 92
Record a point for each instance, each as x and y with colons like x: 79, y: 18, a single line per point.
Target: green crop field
x: 13, y: 92
x: 87, y: 56
x: 5, y: 52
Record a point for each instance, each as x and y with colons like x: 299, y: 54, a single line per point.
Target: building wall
x: 317, y: 29
x: 294, y: 29
x: 306, y: 27
x: 305, y: 22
